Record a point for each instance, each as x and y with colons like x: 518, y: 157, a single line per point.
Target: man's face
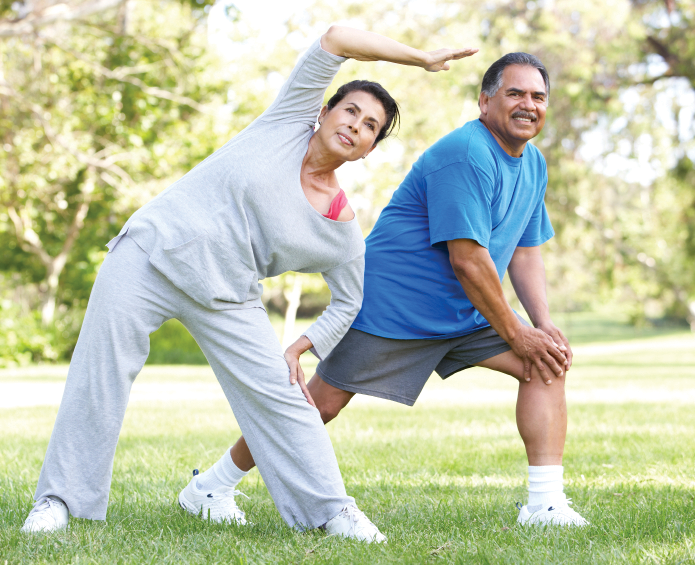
x: 516, y: 113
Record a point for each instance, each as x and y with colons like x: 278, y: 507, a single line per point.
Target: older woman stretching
x: 253, y: 209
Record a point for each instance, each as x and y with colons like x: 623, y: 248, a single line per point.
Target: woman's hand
x: 367, y: 46
x: 438, y: 60
x: 296, y: 372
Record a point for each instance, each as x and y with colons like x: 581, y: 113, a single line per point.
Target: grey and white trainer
x: 217, y: 505
x: 352, y: 523
x: 557, y: 513
x: 48, y: 515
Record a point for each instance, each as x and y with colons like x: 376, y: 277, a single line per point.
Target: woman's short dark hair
x: 393, y: 115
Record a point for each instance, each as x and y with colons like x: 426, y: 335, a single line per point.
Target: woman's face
x: 350, y: 129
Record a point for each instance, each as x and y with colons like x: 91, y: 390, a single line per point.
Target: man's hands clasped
x: 546, y: 348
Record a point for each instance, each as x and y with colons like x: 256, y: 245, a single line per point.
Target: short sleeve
x: 539, y: 229
x: 459, y: 204
x: 301, y: 97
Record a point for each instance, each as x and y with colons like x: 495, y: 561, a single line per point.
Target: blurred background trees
x: 103, y: 103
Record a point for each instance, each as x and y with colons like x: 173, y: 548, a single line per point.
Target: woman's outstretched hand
x: 439, y: 59
x: 296, y: 372
x: 367, y: 46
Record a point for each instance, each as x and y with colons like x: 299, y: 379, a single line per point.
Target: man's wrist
x: 512, y: 333
x: 541, y: 322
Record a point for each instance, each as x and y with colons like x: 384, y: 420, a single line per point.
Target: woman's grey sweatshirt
x: 241, y: 215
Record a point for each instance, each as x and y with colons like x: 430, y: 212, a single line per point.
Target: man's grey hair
x: 492, y: 81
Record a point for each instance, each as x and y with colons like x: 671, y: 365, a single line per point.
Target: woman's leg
x: 129, y: 300
x: 329, y: 401
x: 285, y: 434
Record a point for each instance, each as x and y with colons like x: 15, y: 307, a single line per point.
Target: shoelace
x: 354, y: 515
x: 226, y: 494
x: 43, y: 504
x: 566, y: 503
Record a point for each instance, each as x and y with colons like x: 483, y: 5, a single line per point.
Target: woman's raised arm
x: 367, y: 46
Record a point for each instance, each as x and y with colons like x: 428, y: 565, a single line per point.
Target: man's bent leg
x: 541, y: 410
x: 329, y: 401
x: 541, y: 416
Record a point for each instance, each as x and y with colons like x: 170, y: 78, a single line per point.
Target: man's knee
x: 537, y: 377
x: 329, y: 400
x: 329, y: 410
x: 511, y: 364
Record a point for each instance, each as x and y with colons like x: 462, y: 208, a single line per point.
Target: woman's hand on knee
x: 296, y: 372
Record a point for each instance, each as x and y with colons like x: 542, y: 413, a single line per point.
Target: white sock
x: 224, y: 473
x: 544, y: 486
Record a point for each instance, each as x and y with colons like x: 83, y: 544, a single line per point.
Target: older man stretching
x: 470, y: 209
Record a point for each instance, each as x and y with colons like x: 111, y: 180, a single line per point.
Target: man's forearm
x: 527, y: 274
x: 478, y: 276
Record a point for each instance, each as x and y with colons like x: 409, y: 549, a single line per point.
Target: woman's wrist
x: 299, y: 346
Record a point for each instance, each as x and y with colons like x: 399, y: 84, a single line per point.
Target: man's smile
x: 524, y: 117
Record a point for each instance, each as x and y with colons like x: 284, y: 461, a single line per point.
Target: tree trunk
x: 293, y: 296
x: 30, y: 242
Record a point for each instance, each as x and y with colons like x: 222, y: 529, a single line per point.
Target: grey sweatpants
x: 129, y: 301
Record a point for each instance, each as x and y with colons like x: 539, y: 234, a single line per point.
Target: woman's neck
x: 319, y: 165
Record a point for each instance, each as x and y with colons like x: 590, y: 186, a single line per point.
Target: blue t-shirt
x: 464, y: 186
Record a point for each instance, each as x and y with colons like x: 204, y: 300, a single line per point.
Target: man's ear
x: 483, y: 102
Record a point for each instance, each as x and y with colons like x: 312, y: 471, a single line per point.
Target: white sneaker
x: 49, y: 514
x: 559, y: 513
x: 217, y: 505
x: 352, y: 523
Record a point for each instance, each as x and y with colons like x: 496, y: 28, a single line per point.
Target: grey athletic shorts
x: 398, y: 369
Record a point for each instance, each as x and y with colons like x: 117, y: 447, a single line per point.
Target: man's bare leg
x: 541, y: 416
x: 541, y: 411
x: 329, y: 401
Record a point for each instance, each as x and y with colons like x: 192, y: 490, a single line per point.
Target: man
x: 470, y: 209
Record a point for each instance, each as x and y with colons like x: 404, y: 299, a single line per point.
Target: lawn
x: 440, y: 479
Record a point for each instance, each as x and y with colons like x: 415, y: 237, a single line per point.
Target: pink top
x: 337, y: 206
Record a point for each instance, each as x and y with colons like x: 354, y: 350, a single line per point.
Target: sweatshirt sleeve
x: 301, y: 97
x: 346, y: 282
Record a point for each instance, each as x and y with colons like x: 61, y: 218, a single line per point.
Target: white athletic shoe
x: 49, y: 514
x: 217, y: 505
x: 558, y: 513
x: 352, y: 523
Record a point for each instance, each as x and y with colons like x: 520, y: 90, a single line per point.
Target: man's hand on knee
x: 559, y: 338
x: 537, y: 348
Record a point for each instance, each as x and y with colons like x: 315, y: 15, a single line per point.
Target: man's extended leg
x: 541, y: 416
x: 329, y: 401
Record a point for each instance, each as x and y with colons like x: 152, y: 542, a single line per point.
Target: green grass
x: 440, y: 479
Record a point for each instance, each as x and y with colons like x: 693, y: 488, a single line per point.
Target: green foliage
x: 173, y: 344
x: 107, y: 112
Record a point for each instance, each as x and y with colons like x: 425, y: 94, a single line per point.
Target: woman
x: 253, y: 209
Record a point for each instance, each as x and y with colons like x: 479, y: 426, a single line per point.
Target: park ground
x: 440, y: 479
